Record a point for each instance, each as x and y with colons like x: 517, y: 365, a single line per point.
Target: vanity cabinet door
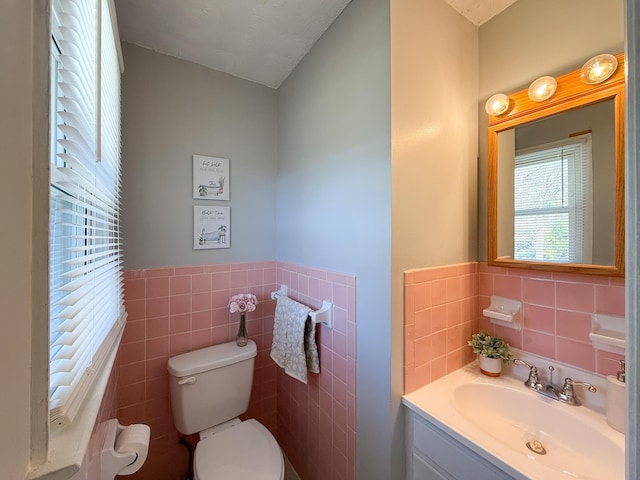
x: 423, y: 471
x: 437, y: 456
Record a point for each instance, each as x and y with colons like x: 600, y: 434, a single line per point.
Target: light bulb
x: 497, y: 104
x: 542, y: 89
x: 598, y: 69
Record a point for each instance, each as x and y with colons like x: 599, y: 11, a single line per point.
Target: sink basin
x: 525, y: 434
x: 555, y: 436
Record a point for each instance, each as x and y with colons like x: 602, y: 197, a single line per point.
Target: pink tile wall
x: 317, y: 421
x: 557, y: 310
x: 176, y: 310
x: 440, y: 313
x: 443, y: 308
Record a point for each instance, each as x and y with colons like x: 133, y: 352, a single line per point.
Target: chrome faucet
x: 533, y: 382
x: 564, y: 395
x: 567, y: 395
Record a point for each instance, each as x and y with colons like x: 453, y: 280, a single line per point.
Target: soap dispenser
x: 617, y: 399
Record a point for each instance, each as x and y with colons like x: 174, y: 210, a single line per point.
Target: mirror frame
x: 571, y: 93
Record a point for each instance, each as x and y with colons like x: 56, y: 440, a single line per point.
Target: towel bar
x: 324, y: 315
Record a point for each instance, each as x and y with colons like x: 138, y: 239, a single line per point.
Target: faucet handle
x: 567, y: 393
x: 533, y: 381
x: 569, y: 383
x: 517, y: 361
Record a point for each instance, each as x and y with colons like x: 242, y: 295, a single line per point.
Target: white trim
x: 67, y: 447
x: 116, y: 33
x: 61, y: 418
x: 40, y: 234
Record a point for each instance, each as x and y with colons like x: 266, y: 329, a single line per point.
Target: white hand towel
x: 294, y: 347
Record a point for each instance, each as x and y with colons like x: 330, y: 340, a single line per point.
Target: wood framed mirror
x: 556, y: 179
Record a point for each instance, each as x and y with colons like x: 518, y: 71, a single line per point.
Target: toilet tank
x: 211, y: 385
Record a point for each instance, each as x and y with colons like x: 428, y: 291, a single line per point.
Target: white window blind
x: 553, y: 202
x: 86, y: 294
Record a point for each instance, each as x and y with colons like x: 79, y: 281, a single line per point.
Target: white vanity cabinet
x: 467, y: 426
x: 432, y: 454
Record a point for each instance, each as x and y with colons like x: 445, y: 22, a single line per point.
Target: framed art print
x: 210, y: 178
x: 211, y: 227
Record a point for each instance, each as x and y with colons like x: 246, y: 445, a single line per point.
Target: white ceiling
x: 258, y: 40
x: 479, y: 11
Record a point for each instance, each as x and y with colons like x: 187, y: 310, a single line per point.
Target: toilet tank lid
x: 210, y: 358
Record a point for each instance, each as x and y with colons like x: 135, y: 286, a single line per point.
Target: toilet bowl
x: 245, y: 451
x: 209, y: 388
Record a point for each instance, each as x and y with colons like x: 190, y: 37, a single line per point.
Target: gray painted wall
x: 172, y: 109
x: 331, y: 122
x: 334, y: 196
x: 434, y: 78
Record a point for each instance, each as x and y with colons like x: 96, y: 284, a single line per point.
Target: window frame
x: 576, y: 191
x: 55, y: 453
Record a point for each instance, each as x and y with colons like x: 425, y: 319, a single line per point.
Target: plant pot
x: 491, y: 367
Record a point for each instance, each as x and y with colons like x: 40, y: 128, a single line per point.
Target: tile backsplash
x: 440, y: 314
x: 443, y: 307
x: 557, y: 311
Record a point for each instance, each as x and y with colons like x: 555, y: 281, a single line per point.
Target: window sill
x: 67, y: 447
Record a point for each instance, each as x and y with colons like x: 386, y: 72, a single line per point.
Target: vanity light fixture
x: 542, y: 89
x: 497, y: 104
x: 598, y: 69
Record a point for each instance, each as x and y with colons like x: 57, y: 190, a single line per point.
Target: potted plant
x: 492, y: 351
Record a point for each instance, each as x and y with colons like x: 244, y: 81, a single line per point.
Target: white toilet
x: 210, y: 387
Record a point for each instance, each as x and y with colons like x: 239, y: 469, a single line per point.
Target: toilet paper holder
x: 124, y: 449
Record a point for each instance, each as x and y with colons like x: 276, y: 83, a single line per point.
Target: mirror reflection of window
x: 591, y: 242
x: 553, y: 200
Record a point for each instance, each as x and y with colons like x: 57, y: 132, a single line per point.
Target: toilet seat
x: 245, y: 451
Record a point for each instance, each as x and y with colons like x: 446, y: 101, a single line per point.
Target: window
x: 553, y: 202
x: 86, y: 307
